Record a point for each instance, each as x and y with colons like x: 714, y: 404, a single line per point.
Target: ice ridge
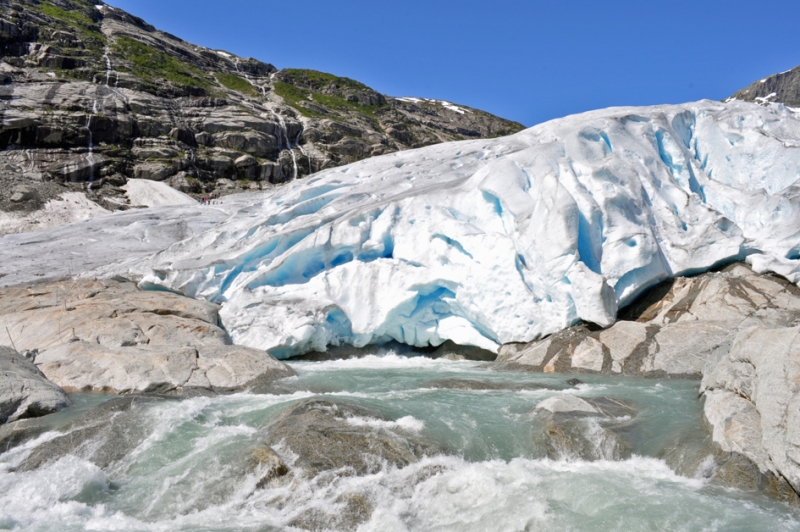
x: 486, y: 242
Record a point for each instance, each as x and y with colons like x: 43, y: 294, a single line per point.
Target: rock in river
x: 24, y: 391
x: 578, y: 428
x: 331, y: 435
x: 752, y: 405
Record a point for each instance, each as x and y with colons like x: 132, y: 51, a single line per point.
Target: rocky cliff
x: 93, y: 95
x: 777, y: 88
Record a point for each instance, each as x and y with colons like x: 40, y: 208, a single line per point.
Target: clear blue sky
x: 528, y: 61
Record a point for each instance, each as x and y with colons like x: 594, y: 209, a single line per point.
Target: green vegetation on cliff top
x: 305, y: 93
x: 236, y: 83
x: 150, y: 64
x: 76, y: 19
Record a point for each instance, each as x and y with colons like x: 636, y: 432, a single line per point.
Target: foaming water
x: 192, y: 470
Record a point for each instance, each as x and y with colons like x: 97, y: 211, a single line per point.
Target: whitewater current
x: 186, y: 474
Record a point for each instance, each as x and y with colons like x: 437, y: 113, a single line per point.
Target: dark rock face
x: 783, y: 88
x: 24, y: 390
x: 452, y: 351
x: 93, y: 94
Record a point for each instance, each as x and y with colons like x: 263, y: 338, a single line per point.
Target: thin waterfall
x: 90, y: 155
x: 288, y: 144
x: 108, y: 66
x: 303, y: 151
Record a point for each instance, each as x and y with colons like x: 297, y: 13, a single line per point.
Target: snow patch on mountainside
x: 155, y: 194
x: 68, y: 208
x: 492, y: 241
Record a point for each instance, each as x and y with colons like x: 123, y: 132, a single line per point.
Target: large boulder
x: 108, y: 313
x: 752, y: 406
x: 677, y: 329
x: 86, y: 366
x: 578, y: 428
x: 324, y: 435
x: 111, y: 336
x: 24, y: 390
x: 325, y: 439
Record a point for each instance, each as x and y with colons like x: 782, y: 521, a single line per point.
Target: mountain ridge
x: 783, y: 87
x: 92, y: 94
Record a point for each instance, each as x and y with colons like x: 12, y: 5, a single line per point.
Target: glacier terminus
x: 486, y: 242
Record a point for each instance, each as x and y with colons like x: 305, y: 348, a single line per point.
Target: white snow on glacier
x: 492, y: 241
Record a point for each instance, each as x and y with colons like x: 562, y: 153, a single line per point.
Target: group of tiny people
x: 209, y: 200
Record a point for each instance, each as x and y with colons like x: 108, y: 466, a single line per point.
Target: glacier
x: 486, y: 242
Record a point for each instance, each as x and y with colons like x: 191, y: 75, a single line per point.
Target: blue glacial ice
x: 486, y: 242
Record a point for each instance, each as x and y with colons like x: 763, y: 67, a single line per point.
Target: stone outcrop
x: 94, y: 96
x: 752, y: 406
x: 582, y: 428
x: 677, y: 329
x: 24, y: 390
x: 109, y: 335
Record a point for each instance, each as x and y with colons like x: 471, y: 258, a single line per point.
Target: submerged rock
x: 578, y: 428
x: 24, y: 390
x: 103, y: 435
x: 326, y: 435
x: 487, y: 385
x: 320, y: 436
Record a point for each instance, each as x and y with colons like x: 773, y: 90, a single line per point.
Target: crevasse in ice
x: 485, y: 242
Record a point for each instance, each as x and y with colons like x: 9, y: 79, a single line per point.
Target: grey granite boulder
x: 109, y: 335
x: 577, y: 428
x: 325, y: 435
x: 752, y: 406
x: 85, y: 366
x: 24, y: 390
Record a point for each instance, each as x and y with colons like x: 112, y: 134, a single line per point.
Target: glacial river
x: 186, y: 473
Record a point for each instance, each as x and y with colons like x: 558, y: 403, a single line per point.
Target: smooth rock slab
x: 24, y: 390
x: 85, y: 366
x: 753, y: 404
x: 106, y: 312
